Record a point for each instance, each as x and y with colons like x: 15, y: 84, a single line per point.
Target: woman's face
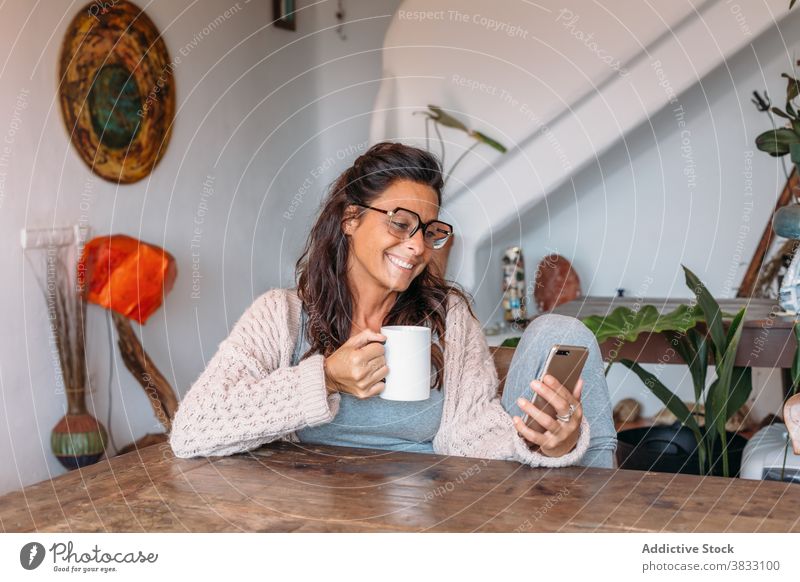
x: 379, y: 257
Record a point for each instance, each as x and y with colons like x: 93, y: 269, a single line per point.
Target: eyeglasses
x: 405, y: 223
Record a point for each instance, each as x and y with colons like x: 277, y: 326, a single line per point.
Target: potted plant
x: 778, y: 142
x: 698, y: 443
x: 691, y: 445
x: 438, y: 116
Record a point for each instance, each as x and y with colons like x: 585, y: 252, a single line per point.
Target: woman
x: 307, y: 364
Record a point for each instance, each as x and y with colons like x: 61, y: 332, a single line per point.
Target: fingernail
x: 520, y: 401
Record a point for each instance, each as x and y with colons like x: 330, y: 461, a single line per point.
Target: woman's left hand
x: 559, y: 437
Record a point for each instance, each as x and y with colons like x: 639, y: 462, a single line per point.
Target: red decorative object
x: 556, y: 283
x: 131, y: 278
x: 126, y: 275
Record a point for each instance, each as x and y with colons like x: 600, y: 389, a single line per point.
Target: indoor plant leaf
x: 741, y: 388
x: 776, y: 142
x: 792, y: 87
x: 674, y: 404
x: 718, y: 400
x: 713, y: 315
x: 488, y: 141
x: 779, y: 113
x: 446, y: 119
x: 693, y: 348
x: 626, y: 324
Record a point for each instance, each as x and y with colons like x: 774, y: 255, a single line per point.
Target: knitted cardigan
x: 249, y: 394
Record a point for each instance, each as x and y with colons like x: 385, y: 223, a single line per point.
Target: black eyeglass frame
x: 423, y: 225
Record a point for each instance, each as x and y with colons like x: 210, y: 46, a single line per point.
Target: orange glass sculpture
x: 126, y: 275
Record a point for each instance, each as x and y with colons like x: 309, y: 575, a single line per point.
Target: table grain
x: 288, y: 487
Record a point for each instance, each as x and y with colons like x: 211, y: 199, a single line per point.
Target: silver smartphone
x: 565, y: 364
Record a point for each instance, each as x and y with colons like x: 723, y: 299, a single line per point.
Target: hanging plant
x: 439, y: 116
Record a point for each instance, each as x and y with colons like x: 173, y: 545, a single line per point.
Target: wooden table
x: 284, y: 488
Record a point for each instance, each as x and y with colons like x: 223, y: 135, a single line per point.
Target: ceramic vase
x: 78, y: 439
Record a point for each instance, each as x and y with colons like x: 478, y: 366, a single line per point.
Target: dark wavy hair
x: 321, y: 269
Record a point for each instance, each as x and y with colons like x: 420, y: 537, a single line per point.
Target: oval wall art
x: 116, y: 90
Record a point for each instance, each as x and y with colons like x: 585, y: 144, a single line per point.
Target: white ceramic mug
x: 408, y: 357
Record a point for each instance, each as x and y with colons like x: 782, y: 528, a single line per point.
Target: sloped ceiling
x: 558, y: 83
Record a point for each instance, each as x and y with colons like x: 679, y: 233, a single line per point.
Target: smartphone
x: 565, y: 364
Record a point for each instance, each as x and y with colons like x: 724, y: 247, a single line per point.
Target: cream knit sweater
x: 250, y: 394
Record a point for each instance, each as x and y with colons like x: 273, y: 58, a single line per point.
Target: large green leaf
x: 713, y: 417
x: 777, y: 142
x: 733, y: 329
x: 725, y: 367
x: 710, y: 307
x: 693, y: 348
x: 670, y: 400
x: 718, y: 400
x: 718, y: 395
x: 626, y: 324
x: 741, y: 388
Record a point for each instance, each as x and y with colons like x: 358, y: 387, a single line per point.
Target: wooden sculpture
x: 131, y: 278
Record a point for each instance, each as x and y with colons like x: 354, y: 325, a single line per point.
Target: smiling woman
x: 307, y: 364
x: 370, y: 229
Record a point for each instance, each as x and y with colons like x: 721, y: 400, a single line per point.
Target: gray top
x: 375, y: 422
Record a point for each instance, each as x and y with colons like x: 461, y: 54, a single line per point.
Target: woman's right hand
x: 358, y: 367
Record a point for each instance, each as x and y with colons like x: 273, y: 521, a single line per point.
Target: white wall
x: 558, y: 82
x: 256, y: 117
x: 698, y: 195
x: 600, y: 168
